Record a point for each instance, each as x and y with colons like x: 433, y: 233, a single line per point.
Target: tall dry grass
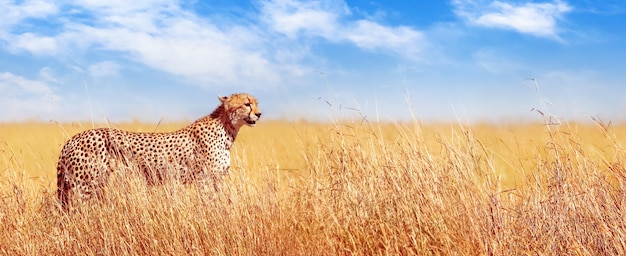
x: 347, y: 188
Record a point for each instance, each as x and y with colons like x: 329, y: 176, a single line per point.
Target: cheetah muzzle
x: 250, y: 121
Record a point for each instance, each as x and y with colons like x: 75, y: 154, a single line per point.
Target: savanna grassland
x: 359, y: 188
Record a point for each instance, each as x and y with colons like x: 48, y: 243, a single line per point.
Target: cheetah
x: 199, y: 151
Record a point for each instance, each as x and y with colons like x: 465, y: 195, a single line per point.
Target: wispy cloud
x: 105, y: 68
x: 22, y: 99
x: 18, y: 86
x: 114, y: 50
x: 402, y: 40
x: 538, y: 19
x: 163, y: 35
x: 167, y: 38
x: 47, y: 75
x: 35, y: 44
x: 330, y: 20
x: 14, y: 18
x: 294, y: 18
x: 496, y: 62
x: 13, y: 13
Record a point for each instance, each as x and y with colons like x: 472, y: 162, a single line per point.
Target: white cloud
x: 292, y: 17
x: 167, y: 38
x: 495, y: 62
x: 203, y: 54
x: 329, y: 20
x: 157, y: 33
x: 539, y: 19
x: 371, y: 35
x: 12, y: 84
x: 209, y: 51
x: 123, y: 5
x: 13, y: 13
x: 21, y: 98
x: 37, y: 45
x: 105, y: 68
x: 47, y: 74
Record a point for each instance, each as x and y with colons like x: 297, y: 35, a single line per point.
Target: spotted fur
x: 199, y: 151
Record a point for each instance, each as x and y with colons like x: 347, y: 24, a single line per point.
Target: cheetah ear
x: 222, y: 98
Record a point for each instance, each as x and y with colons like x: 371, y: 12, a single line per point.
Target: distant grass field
x: 300, y: 188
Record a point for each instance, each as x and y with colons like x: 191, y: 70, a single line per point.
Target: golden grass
x: 348, y: 188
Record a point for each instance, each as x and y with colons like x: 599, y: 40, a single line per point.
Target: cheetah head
x: 242, y: 108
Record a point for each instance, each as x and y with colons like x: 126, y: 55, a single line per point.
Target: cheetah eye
x: 247, y: 104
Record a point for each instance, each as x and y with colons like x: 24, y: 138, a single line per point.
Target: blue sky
x: 457, y: 60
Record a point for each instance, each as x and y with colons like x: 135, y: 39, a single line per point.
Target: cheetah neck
x: 220, y: 116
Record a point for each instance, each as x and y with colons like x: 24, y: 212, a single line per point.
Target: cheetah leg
x: 63, y: 191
